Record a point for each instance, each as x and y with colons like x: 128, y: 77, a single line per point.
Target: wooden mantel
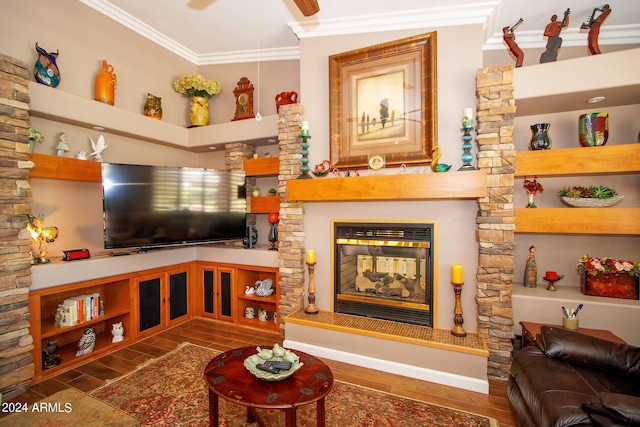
x: 420, y: 186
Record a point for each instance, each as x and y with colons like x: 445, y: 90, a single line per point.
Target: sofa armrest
x: 614, y: 409
x: 589, y: 351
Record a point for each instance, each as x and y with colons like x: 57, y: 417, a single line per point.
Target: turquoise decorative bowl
x: 277, y: 353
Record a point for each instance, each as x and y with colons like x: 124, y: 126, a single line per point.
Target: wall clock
x: 244, y: 99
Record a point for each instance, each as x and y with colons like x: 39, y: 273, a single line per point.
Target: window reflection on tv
x: 153, y: 206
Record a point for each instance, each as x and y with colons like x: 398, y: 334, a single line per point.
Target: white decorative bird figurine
x: 87, y: 342
x: 98, y: 148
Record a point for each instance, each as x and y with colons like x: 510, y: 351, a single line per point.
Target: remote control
x: 269, y: 368
x: 280, y: 364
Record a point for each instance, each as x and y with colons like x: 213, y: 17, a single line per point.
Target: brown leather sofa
x: 572, y: 379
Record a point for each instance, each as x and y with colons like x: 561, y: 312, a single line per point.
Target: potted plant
x: 272, y: 192
x: 199, y: 89
x: 587, y: 197
x: 609, y: 277
x: 34, y: 136
x: 255, y: 191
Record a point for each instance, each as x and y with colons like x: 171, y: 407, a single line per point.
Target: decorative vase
x: 153, y: 107
x: 614, y: 285
x: 285, y: 98
x: 46, y: 70
x: 199, y: 114
x: 593, y: 129
x: 540, y: 140
x: 105, y: 86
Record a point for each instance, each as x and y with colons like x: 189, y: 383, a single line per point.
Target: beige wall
x: 459, y: 57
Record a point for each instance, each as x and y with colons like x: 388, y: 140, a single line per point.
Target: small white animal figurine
x: 82, y: 155
x: 263, y: 315
x: 249, y: 290
x: 87, y: 342
x: 117, y: 331
x: 98, y: 148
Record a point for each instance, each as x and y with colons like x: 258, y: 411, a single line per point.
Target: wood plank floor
x: 224, y: 336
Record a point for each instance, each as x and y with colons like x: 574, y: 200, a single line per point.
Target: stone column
x: 16, y: 362
x: 234, y: 155
x: 496, y: 217
x: 291, y: 226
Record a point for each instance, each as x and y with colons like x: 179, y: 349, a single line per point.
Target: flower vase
x: 540, y: 140
x: 593, y: 129
x: 199, y: 114
x: 105, y: 85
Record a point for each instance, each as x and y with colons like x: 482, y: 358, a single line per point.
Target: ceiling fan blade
x: 307, y: 7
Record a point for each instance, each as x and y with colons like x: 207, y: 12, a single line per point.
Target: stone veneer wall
x: 291, y: 226
x: 496, y: 218
x: 16, y: 362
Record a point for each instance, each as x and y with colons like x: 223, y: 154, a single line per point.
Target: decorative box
x: 614, y: 285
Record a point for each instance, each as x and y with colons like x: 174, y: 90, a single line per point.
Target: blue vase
x: 540, y: 140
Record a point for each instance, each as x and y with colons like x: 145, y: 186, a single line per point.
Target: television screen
x: 153, y: 206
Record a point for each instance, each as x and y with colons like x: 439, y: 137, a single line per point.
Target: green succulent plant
x: 599, y: 192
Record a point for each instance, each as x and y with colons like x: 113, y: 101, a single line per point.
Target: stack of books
x: 79, y: 309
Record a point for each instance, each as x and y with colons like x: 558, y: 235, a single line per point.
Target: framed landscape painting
x: 383, y: 101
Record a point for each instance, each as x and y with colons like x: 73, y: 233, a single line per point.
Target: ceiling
x: 226, y: 31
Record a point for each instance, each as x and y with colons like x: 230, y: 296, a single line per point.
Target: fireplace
x: 384, y: 270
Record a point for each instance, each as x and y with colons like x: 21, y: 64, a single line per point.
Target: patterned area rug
x: 171, y: 390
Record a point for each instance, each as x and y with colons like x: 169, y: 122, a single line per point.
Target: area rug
x: 171, y: 390
x: 70, y: 408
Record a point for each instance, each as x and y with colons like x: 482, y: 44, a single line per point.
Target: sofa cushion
x: 589, y: 351
x: 609, y: 409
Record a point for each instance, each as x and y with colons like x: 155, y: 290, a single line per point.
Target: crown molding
x: 255, y: 55
x: 443, y: 16
x: 610, y: 35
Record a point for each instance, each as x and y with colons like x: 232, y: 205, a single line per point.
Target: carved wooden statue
x: 593, y: 24
x: 554, y: 41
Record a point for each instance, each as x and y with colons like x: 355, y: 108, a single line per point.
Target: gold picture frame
x: 383, y: 99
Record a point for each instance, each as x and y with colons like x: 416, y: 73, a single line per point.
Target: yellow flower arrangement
x: 196, y: 85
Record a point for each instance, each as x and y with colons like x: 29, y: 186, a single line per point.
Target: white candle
x: 467, y: 117
x: 305, y: 128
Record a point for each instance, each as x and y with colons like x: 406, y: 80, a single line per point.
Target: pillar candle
x: 311, y: 256
x: 456, y: 273
x: 305, y: 128
x: 467, y: 117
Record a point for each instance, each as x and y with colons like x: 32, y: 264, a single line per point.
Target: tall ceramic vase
x: 105, y: 87
x: 540, y: 140
x: 199, y: 114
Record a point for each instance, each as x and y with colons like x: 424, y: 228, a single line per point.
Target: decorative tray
x: 276, y: 354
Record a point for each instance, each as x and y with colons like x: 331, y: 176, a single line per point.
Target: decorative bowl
x: 591, y: 202
x: 277, y: 353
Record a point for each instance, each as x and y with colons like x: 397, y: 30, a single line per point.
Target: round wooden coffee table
x: 227, y: 378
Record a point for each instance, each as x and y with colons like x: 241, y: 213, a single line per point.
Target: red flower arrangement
x: 606, y: 265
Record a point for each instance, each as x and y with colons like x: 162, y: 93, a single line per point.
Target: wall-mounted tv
x: 154, y: 206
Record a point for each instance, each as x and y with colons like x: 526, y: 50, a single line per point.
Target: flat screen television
x: 154, y: 206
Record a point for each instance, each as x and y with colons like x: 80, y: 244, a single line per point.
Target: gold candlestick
x: 311, y: 308
x: 458, y: 330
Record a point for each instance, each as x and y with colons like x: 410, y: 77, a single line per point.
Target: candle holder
x: 467, y: 157
x: 311, y: 308
x: 552, y: 282
x: 458, y: 330
x: 305, y: 156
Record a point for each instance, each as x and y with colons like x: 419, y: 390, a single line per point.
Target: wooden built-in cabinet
x: 147, y: 302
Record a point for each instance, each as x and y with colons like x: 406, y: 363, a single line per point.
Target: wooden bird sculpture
x: 435, y: 166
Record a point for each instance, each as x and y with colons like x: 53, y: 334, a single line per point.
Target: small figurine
x: 263, y: 288
x: 98, y: 148
x: 263, y: 315
x: 82, y: 155
x: 554, y: 41
x: 62, y: 145
x: 594, y: 24
x: 49, y: 356
x: 117, y: 331
x: 509, y: 38
x: 435, y: 166
x: 532, y: 188
x: 531, y: 269
x: 87, y: 342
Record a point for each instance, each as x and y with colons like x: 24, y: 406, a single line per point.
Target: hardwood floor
x: 224, y: 336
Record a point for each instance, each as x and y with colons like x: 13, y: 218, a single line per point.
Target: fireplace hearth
x: 384, y: 270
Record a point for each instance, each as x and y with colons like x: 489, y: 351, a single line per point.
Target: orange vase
x: 105, y: 84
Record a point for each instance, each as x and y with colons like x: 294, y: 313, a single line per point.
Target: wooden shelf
x: 624, y: 221
x: 264, y: 204
x: 268, y: 166
x: 447, y: 185
x: 65, y: 168
x: 606, y: 159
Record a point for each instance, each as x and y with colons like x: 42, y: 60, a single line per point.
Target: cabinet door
x: 216, y: 291
x: 225, y: 294
x: 178, y: 306
x: 150, y: 307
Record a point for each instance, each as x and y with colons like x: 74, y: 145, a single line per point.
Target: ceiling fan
x: 307, y: 7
